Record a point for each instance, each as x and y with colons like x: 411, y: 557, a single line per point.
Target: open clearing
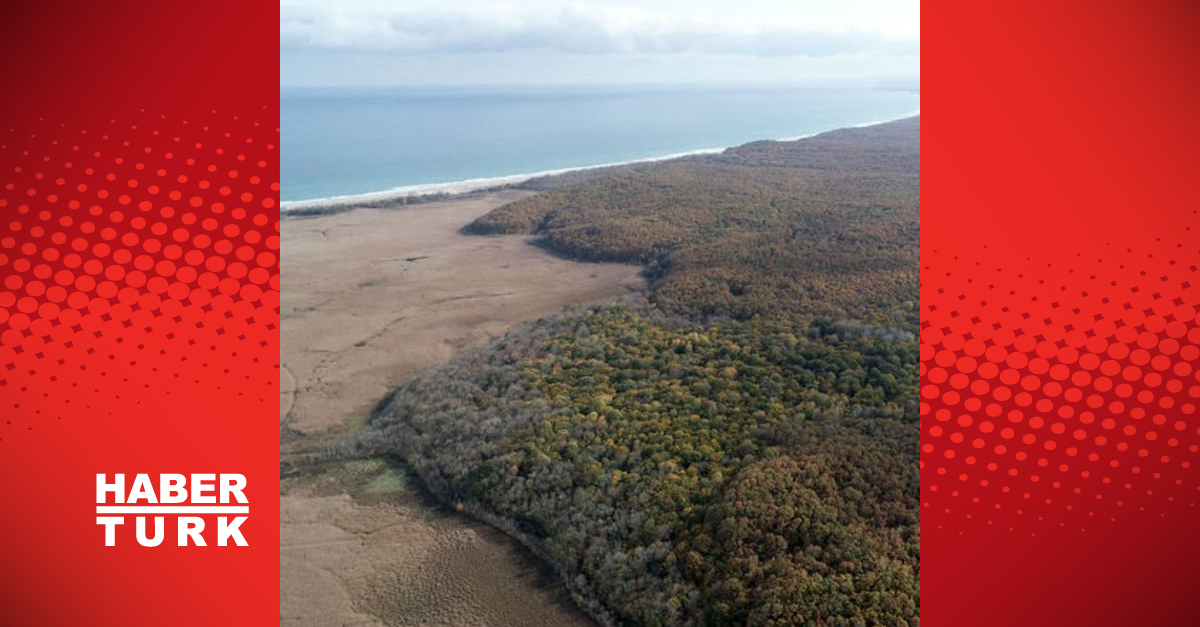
x: 370, y: 297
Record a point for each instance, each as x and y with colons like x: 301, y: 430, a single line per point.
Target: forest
x: 827, y: 226
x: 738, y: 447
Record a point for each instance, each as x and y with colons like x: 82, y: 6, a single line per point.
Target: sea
x: 342, y: 144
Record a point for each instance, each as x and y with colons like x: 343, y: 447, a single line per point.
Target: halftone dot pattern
x: 1060, y: 396
x: 138, y: 256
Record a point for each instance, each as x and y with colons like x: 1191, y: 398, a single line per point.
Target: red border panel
x: 139, y: 315
x: 1060, y: 338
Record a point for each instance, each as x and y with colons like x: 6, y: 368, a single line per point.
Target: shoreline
x: 443, y: 191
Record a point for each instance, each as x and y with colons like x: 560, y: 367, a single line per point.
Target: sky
x: 490, y: 42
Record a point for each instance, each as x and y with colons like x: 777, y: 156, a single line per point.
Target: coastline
x: 442, y: 191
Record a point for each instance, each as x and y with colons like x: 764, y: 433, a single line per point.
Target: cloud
x: 580, y: 29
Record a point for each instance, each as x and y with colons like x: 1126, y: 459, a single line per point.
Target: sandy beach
x: 370, y: 297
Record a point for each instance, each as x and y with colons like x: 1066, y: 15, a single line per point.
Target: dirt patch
x: 370, y: 297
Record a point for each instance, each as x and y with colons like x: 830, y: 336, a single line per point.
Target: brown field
x: 370, y: 297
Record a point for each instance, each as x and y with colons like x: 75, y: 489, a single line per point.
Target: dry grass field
x: 370, y: 297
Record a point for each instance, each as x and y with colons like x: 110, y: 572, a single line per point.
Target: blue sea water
x: 352, y: 141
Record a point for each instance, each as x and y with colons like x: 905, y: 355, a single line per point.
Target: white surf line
x: 480, y: 184
x: 472, y: 185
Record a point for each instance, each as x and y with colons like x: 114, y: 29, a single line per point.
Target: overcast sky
x: 424, y: 42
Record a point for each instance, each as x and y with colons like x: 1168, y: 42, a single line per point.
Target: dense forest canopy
x: 741, y: 447
x: 828, y: 226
